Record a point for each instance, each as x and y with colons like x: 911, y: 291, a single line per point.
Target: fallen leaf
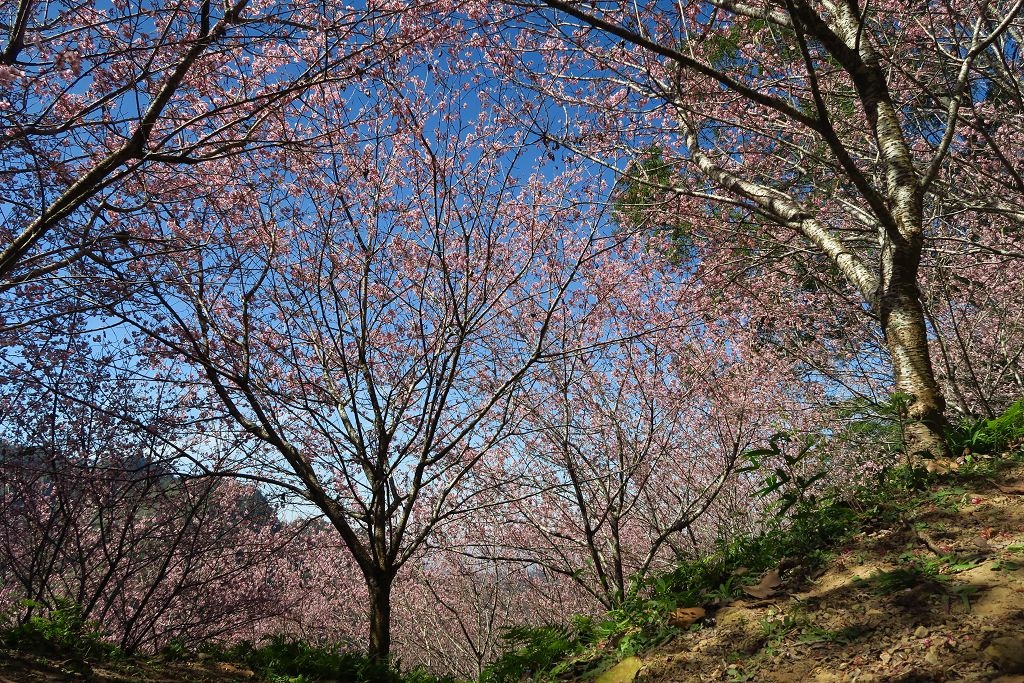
x: 766, y: 588
x: 684, y: 616
x: 740, y: 571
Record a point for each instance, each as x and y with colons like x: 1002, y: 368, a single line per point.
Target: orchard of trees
x: 399, y: 324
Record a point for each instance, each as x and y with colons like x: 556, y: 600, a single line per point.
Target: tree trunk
x: 906, y: 336
x: 379, y: 587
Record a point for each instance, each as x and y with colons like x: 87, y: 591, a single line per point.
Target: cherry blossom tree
x: 99, y: 100
x: 626, y: 453
x: 97, y: 519
x: 838, y: 133
x: 388, y: 285
x: 454, y: 612
x: 974, y: 286
x: 367, y: 312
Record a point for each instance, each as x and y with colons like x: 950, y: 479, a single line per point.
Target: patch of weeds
x: 907, y: 478
x: 775, y: 629
x: 927, y: 574
x: 938, y: 567
x: 60, y: 629
x: 977, y: 467
x: 898, y: 580
x: 1004, y: 565
x: 738, y: 675
x: 797, y: 628
x: 787, y: 471
x: 917, y: 571
x: 725, y: 591
x: 954, y: 564
x: 175, y: 651
x: 850, y: 634
x: 859, y: 556
x: 950, y: 498
x: 816, y: 634
x: 965, y: 592
x: 540, y: 652
x: 875, y: 425
x: 997, y: 435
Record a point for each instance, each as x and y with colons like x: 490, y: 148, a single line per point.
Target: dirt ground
x: 940, y: 598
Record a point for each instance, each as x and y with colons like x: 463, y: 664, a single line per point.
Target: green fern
x: 999, y: 434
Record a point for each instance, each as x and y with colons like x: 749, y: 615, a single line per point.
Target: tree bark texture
x: 379, y: 586
x: 906, y: 336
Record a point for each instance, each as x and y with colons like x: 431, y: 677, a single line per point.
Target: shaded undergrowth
x: 65, y: 643
x: 285, y: 660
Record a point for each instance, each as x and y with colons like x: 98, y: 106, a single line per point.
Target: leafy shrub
x: 540, y: 652
x: 175, y: 650
x: 60, y: 630
x: 1001, y: 433
x: 787, y: 478
x: 875, y: 426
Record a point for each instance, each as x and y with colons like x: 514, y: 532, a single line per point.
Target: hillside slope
x: 936, y: 596
x: 929, y: 588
